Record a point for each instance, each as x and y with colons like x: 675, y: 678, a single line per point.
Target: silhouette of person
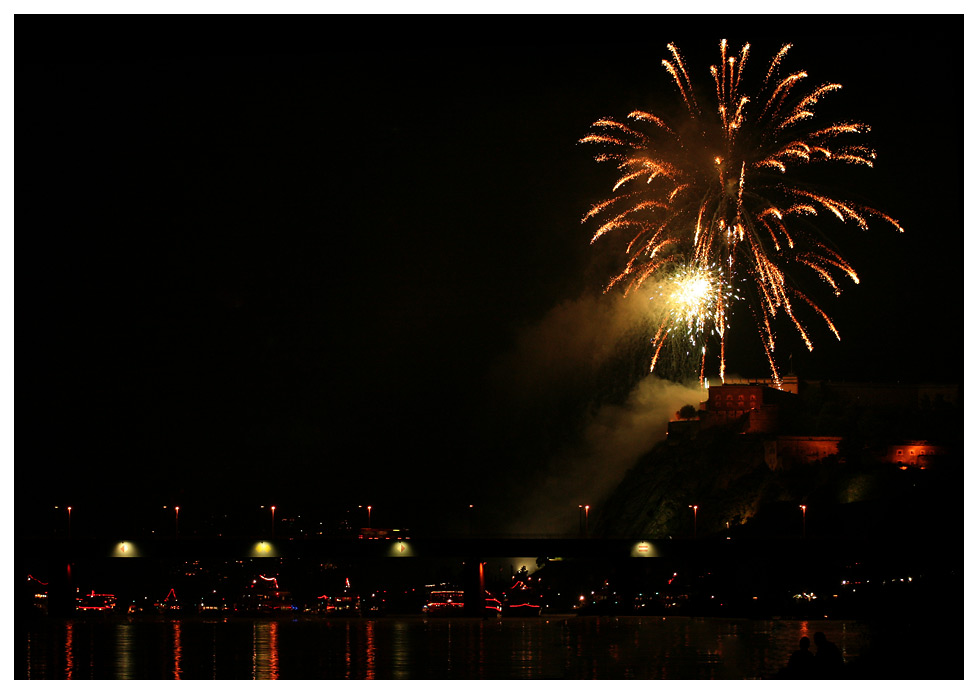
x: 828, y: 658
x: 801, y: 664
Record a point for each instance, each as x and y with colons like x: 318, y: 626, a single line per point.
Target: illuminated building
x: 917, y: 454
x: 756, y: 407
x: 788, y: 450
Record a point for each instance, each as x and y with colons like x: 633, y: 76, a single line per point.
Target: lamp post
x: 176, y: 521
x: 803, y: 508
x: 585, y: 507
x: 69, y: 522
x: 273, y: 521
x: 369, y: 508
x: 695, y: 509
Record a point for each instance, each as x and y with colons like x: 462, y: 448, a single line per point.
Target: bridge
x: 198, y: 548
x: 55, y: 550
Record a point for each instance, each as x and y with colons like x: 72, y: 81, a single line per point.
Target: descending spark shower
x: 710, y: 204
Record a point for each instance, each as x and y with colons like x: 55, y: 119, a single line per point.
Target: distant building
x: 909, y: 396
x: 917, y: 454
x: 754, y: 407
x: 791, y: 450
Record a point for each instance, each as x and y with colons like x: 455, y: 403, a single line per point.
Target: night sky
x: 296, y: 262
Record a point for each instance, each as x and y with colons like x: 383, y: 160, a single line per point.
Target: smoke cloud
x: 614, y: 438
x: 573, y: 340
x: 582, y: 407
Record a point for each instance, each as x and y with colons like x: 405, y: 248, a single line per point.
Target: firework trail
x: 710, y: 202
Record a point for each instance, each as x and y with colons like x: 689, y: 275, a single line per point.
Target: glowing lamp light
x: 644, y: 549
x: 263, y: 549
x: 125, y: 549
x: 400, y: 549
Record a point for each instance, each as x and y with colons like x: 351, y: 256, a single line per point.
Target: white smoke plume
x: 573, y: 338
x: 563, y: 358
x: 614, y: 439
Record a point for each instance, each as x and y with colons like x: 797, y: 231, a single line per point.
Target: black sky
x: 275, y: 257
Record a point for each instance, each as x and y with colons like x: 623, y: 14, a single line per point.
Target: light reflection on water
x: 264, y: 653
x: 400, y: 652
x: 555, y: 647
x: 176, y: 650
x: 69, y: 640
x: 123, y: 649
x: 371, y: 650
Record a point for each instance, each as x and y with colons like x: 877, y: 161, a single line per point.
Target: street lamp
x: 273, y: 521
x: 69, y: 522
x: 803, y: 509
x: 176, y: 521
x: 368, y: 513
x: 695, y: 509
x: 586, y: 507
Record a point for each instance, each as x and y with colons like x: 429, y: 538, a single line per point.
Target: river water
x: 555, y: 647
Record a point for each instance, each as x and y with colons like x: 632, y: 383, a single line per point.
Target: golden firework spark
x: 716, y: 196
x: 689, y: 302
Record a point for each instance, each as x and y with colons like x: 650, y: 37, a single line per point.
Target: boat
x: 451, y: 603
x: 445, y: 603
x: 95, y: 602
x: 524, y: 609
x: 170, y: 604
x: 213, y: 604
x: 522, y: 601
x: 343, y: 605
x: 258, y: 599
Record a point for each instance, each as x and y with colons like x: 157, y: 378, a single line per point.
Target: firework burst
x: 689, y: 304
x: 711, y: 200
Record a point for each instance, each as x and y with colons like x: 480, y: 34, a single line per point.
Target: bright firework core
x: 688, y: 305
x: 691, y: 294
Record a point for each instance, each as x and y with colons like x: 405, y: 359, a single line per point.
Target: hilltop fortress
x: 758, y: 407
